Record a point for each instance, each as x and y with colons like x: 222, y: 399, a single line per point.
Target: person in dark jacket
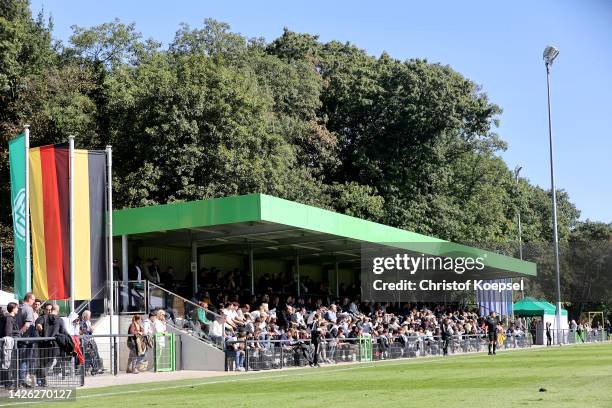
x: 447, y: 334
x: 50, y: 325
x: 8, y: 330
x: 318, y: 328
x: 8, y: 322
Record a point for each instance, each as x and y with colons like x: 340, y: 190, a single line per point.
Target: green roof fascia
x: 261, y: 207
x: 280, y: 211
x: 192, y: 214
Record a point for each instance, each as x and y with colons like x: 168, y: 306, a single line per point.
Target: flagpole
x: 71, y: 218
x: 28, y: 271
x: 109, y: 222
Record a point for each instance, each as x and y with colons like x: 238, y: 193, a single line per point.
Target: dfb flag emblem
x: 19, y: 215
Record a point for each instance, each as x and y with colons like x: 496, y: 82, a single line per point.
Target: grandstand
x: 269, y: 245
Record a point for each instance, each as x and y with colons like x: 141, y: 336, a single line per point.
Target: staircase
x: 197, y: 350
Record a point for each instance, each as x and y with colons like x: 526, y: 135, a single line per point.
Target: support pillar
x: 337, y: 280
x: 297, y: 268
x: 194, y: 265
x: 125, y: 301
x: 252, y: 271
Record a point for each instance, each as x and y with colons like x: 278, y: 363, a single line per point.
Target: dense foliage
x: 407, y: 143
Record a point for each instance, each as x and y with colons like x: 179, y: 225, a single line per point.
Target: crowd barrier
x: 43, y: 362
x: 39, y: 362
x: 569, y: 336
x: 274, y: 354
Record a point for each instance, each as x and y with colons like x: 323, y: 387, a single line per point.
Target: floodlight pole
x: 554, y: 205
x: 109, y: 243
x: 520, y: 231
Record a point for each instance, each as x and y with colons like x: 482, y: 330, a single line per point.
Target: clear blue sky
x: 496, y: 44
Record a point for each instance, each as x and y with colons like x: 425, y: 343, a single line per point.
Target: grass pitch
x: 572, y: 376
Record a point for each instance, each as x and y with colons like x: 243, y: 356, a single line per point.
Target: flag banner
x: 89, y: 206
x: 17, y: 159
x: 494, y: 300
x: 49, y: 212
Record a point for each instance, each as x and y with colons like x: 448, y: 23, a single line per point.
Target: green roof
x: 269, y: 223
x: 533, y: 307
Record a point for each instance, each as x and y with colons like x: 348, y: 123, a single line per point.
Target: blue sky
x: 496, y: 44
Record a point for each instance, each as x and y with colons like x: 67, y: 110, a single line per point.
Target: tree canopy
x: 410, y: 143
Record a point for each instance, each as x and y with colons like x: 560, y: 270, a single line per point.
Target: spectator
x: 159, y: 325
x: 90, y: 347
x: 136, y: 344
x: 36, y: 309
x: 8, y: 330
x: 154, y: 270
x: 117, y: 275
x: 200, y: 319
x: 25, y: 322
x: 167, y: 279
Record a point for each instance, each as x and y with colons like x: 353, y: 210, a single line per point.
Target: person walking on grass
x: 491, y: 327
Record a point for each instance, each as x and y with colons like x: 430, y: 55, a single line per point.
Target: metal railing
x: 86, y: 305
x: 578, y: 336
x: 186, y: 315
x: 112, y: 354
x: 141, y: 297
x: 266, y: 354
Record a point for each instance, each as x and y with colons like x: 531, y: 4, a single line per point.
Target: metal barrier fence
x: 272, y: 354
x: 39, y: 362
x: 164, y: 355
x: 111, y: 354
x: 568, y: 336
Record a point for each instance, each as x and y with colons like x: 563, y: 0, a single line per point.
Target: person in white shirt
x: 71, y: 324
x: 149, y: 324
x: 159, y: 324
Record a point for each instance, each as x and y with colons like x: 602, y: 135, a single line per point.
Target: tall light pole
x: 550, y: 53
x: 517, y: 170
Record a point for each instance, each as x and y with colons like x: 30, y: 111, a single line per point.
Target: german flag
x: 89, y: 206
x: 50, y: 221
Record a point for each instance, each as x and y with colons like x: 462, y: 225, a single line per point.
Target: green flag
x: 17, y: 155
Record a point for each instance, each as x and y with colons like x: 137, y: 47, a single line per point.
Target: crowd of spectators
x: 260, y: 322
x: 58, y: 337
x: 232, y: 317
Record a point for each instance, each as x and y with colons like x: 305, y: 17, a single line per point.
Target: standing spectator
x: 90, y: 347
x: 25, y: 322
x: 167, y: 279
x: 315, y: 340
x: 447, y: 333
x: 148, y: 326
x: 159, y: 325
x: 8, y: 330
x: 154, y: 271
x: 117, y: 275
x: 36, y: 309
x: 135, y: 287
x: 135, y: 344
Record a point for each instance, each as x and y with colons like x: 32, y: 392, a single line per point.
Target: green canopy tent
x: 530, y: 307
x: 544, y: 313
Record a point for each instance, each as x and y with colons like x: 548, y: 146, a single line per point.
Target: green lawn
x: 573, y: 376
